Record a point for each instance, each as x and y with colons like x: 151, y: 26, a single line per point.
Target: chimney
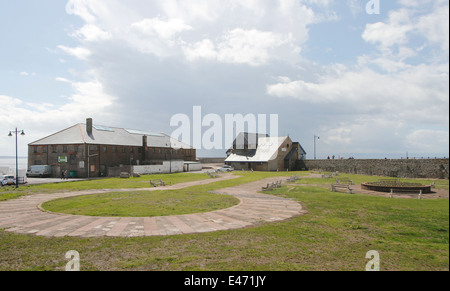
x: 144, y: 148
x: 144, y: 141
x: 89, y: 126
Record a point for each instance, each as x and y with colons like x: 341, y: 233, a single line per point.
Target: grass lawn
x: 108, y: 183
x: 142, y: 203
x: 336, y: 233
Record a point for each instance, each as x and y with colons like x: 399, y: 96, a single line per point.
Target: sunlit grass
x: 335, y: 234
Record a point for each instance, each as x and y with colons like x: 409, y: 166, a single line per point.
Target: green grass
x: 142, y: 203
x: 107, y: 183
x: 152, y: 203
x: 335, y: 234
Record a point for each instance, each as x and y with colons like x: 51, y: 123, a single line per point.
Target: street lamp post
x: 171, y: 149
x: 16, y: 132
x: 315, y: 138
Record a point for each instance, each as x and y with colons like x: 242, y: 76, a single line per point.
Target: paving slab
x: 25, y: 215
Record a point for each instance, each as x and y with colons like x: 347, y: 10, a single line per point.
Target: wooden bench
x: 277, y: 184
x: 346, y: 179
x: 293, y: 178
x: 337, y: 187
x: 158, y: 182
x: 406, y: 191
x: 213, y: 174
x: 268, y: 188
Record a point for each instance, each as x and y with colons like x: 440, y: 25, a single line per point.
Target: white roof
x: 104, y: 135
x: 267, y: 150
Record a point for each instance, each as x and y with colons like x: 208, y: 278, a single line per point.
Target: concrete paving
x: 26, y: 216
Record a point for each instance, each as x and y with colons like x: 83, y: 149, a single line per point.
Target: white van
x: 39, y: 171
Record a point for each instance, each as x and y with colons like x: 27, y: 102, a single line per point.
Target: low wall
x: 165, y: 168
x: 212, y: 160
x: 407, y: 168
x: 192, y: 167
x: 116, y: 171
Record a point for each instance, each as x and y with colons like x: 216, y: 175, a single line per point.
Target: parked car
x: 225, y: 169
x: 8, y: 180
x: 39, y: 171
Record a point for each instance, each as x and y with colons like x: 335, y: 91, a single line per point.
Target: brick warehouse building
x: 84, y: 147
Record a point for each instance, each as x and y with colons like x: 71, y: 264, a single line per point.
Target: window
x: 45, y: 150
x: 76, y: 149
x: 54, y: 150
x: 105, y: 149
x: 93, y: 148
x: 73, y: 159
x: 35, y: 150
x: 64, y: 149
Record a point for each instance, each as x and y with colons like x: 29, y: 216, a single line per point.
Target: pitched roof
x: 247, y: 140
x: 105, y: 135
x: 267, y: 150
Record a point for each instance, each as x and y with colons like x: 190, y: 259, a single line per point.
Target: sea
x: 8, y: 164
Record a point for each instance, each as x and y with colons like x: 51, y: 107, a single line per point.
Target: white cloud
x: 39, y: 119
x: 204, y: 49
x: 435, y: 26
x: 416, y: 93
x: 64, y: 80
x: 164, y: 29
x: 197, y: 10
x: 26, y: 74
x: 428, y: 141
x: 391, y: 33
x: 251, y: 47
x: 406, y: 23
x: 198, y: 29
x: 78, y: 52
x: 239, y: 46
x: 92, y: 33
x: 160, y: 57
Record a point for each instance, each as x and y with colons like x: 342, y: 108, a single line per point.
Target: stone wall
x: 212, y: 160
x: 411, y: 168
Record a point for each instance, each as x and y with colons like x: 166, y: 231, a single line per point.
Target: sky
x: 370, y: 78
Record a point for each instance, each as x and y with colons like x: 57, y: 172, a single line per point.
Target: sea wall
x: 406, y: 168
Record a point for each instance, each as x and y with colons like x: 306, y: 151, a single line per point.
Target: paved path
x: 25, y: 216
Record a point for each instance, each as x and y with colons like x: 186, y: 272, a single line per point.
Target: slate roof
x: 249, y: 140
x: 105, y: 135
x: 267, y: 150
